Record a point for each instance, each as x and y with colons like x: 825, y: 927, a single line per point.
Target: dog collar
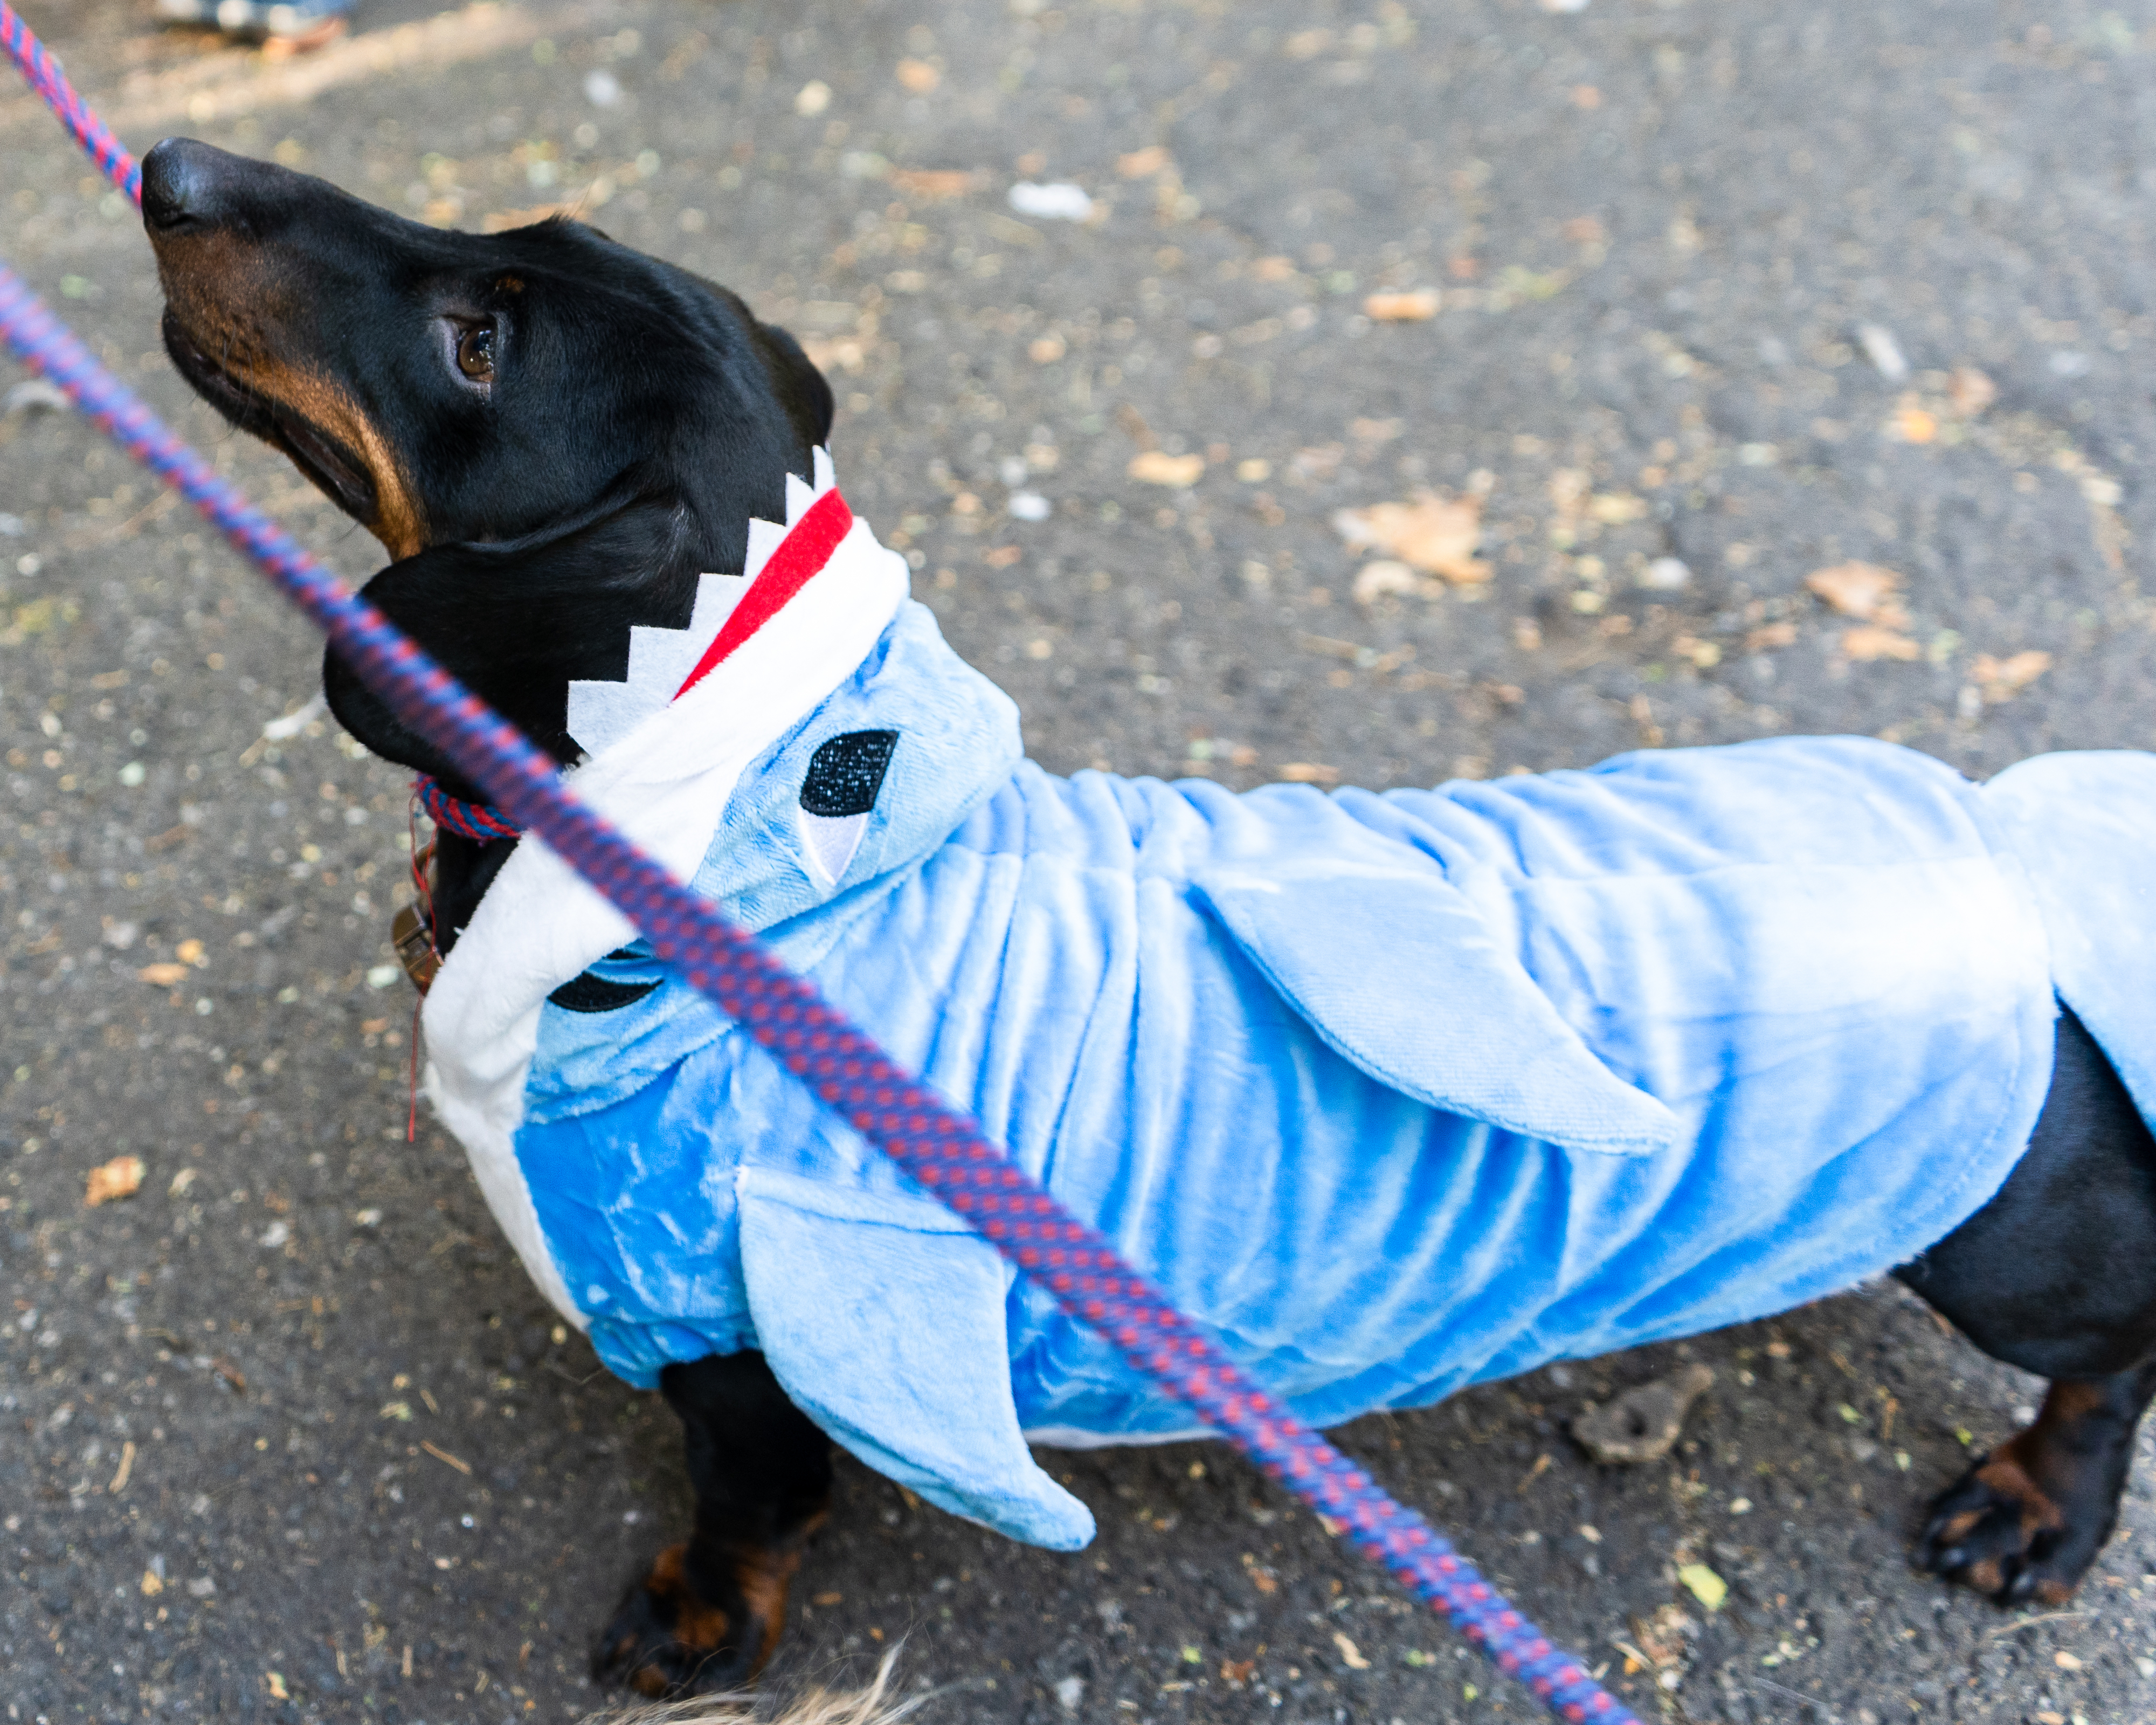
x: 476, y: 821
x: 781, y: 562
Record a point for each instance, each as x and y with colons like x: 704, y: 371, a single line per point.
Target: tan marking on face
x: 235, y: 306
x: 399, y: 522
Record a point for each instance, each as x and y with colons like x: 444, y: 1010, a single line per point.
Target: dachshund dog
x: 556, y: 439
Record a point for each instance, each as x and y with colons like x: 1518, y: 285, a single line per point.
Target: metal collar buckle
x: 410, y: 930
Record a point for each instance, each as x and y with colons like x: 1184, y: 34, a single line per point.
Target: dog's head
x: 551, y: 434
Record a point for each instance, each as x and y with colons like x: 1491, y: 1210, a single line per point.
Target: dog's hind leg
x: 706, y: 1618
x: 2057, y: 1275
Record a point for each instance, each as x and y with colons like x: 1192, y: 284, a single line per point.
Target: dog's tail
x: 874, y: 1705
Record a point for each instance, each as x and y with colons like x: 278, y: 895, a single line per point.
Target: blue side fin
x: 883, y: 1318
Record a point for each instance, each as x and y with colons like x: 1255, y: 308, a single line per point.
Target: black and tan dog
x: 553, y: 436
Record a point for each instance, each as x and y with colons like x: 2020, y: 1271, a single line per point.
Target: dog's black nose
x: 184, y: 184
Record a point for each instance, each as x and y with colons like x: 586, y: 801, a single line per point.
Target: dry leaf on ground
x: 1156, y: 467
x: 919, y: 76
x: 1431, y: 533
x: 1309, y: 772
x: 1662, y: 1638
x: 120, y: 1178
x: 1970, y: 390
x: 1869, y: 641
x: 1616, y: 509
x: 2003, y: 678
x: 1374, y: 580
x: 162, y: 976
x: 1863, y: 591
x: 835, y: 353
x: 1913, y: 424
x: 1142, y: 164
x: 1415, y: 307
x: 930, y: 185
x: 1709, y: 1589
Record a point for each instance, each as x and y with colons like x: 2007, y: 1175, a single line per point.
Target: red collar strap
x: 474, y: 821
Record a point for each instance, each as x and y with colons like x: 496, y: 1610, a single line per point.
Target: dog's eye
x: 475, y: 353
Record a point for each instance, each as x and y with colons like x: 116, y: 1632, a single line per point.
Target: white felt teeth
x: 601, y: 714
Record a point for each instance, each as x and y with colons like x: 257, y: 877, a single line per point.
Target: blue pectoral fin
x: 884, y: 1319
x: 1399, y: 972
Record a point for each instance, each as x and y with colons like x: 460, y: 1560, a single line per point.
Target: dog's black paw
x: 1995, y: 1530
x: 669, y: 1642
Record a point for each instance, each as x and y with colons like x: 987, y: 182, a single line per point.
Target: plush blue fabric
x: 1396, y: 1092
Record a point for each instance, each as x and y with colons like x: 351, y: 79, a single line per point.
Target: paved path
x: 289, y: 1421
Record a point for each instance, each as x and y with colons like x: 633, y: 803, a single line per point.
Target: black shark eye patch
x: 590, y: 992
x: 846, y: 774
x: 587, y: 992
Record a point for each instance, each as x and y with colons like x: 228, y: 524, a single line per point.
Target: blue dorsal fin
x: 1426, y: 1000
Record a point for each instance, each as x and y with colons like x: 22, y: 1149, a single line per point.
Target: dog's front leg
x: 706, y: 1618
x: 2027, y: 1521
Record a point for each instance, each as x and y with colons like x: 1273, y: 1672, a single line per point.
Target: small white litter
x: 1884, y: 351
x: 1058, y: 201
x: 35, y: 394
x: 293, y: 723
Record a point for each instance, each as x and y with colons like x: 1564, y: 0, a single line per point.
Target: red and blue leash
x: 936, y: 1145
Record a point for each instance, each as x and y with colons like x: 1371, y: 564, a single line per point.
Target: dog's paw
x: 697, y: 1629
x: 1995, y: 1530
x: 668, y: 1641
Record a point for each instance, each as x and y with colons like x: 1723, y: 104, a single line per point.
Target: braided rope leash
x: 45, y: 77
x: 937, y: 1146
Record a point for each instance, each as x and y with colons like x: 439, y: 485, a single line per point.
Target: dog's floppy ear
x: 517, y: 621
x: 798, y: 385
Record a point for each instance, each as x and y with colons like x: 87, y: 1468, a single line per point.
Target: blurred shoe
x: 304, y: 23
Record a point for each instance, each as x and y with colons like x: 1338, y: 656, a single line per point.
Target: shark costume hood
x: 1396, y: 1092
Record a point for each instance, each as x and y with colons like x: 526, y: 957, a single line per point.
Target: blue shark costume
x: 1396, y: 1092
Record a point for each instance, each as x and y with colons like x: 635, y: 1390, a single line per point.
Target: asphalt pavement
x: 1643, y: 313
